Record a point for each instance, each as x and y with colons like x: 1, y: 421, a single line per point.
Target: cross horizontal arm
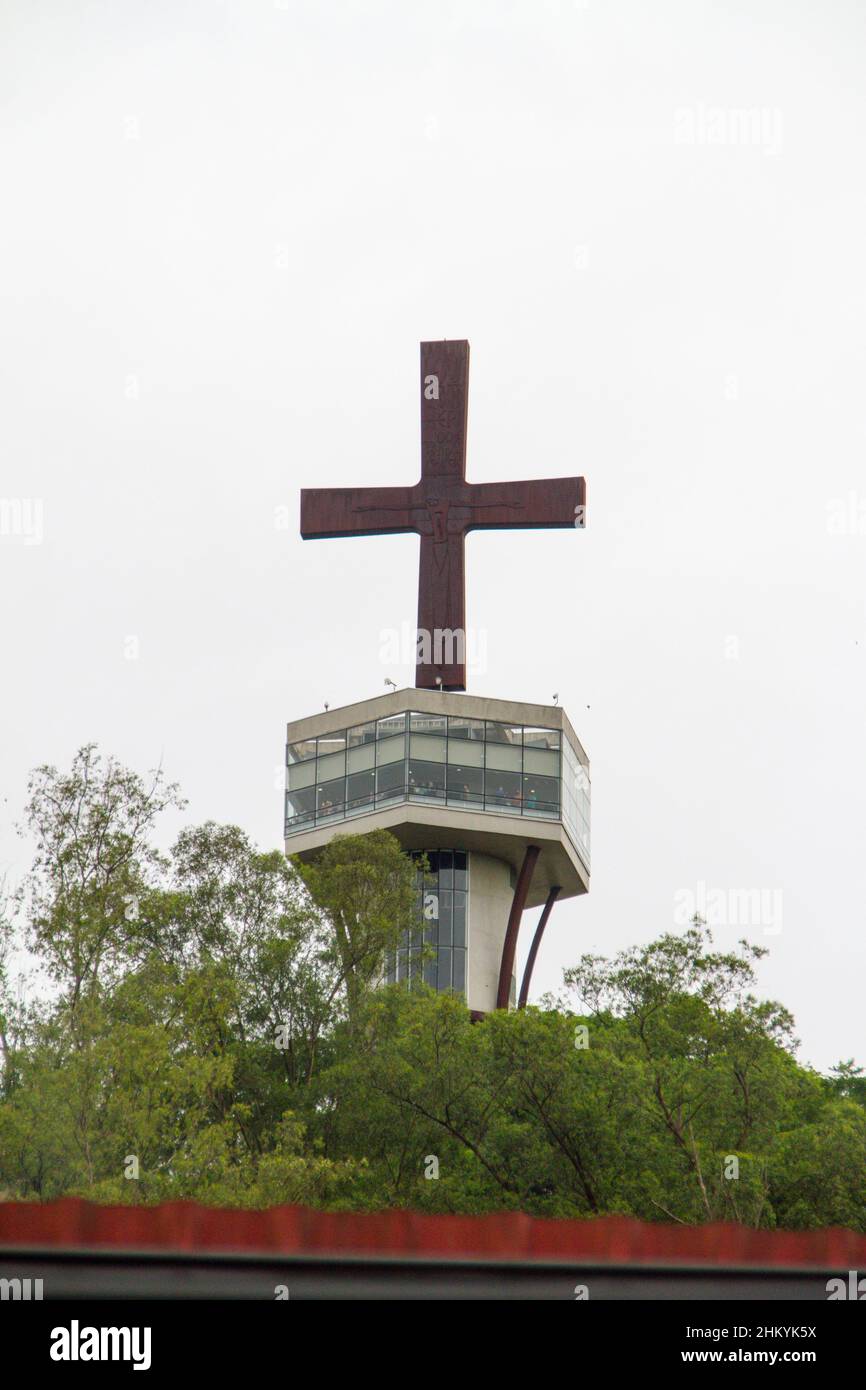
x: 335, y: 511
x: 542, y: 502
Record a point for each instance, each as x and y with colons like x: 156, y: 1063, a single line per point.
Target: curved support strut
x: 536, y: 942
x: 509, y: 946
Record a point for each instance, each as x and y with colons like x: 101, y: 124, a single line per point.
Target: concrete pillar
x: 491, y: 889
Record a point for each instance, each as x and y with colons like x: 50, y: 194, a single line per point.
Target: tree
x: 93, y: 862
x: 365, y: 886
x: 217, y: 1028
x: 847, y: 1080
x: 716, y: 1068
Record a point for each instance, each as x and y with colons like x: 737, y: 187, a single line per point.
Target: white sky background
x: 225, y: 229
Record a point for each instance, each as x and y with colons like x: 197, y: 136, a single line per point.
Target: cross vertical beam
x: 442, y: 508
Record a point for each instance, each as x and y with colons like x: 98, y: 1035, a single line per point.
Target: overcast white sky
x: 225, y: 229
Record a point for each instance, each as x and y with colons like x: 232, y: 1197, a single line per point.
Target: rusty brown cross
x: 442, y: 508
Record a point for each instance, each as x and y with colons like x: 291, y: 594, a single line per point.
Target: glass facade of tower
x: 481, y: 765
x: 436, y: 950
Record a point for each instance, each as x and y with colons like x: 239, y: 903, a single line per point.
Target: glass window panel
x: 427, y: 724
x: 502, y: 791
x: 362, y: 733
x: 425, y: 746
x: 445, y: 920
x: 465, y: 728
x: 360, y: 787
x: 504, y: 733
x: 427, y: 779
x: 444, y: 980
x: 394, y: 724
x: 301, y: 803
x: 390, y: 750
x: 465, y: 784
x: 540, y: 738
x: 431, y: 971
x: 299, y: 752
x: 332, y: 743
x: 301, y: 774
x: 496, y: 733
x: 390, y: 780
x: 357, y: 759
x: 540, y: 794
x: 502, y: 755
x: 458, y: 917
x: 540, y: 760
x: 329, y: 798
x: 433, y: 865
x: 462, y: 751
x: 459, y: 977
x: 329, y: 768
x: 576, y: 798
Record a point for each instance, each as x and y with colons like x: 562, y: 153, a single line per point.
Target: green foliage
x: 215, y: 1028
x: 365, y: 886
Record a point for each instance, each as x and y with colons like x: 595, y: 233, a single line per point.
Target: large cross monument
x: 494, y: 792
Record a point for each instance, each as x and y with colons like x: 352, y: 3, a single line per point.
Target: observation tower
x: 495, y: 793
